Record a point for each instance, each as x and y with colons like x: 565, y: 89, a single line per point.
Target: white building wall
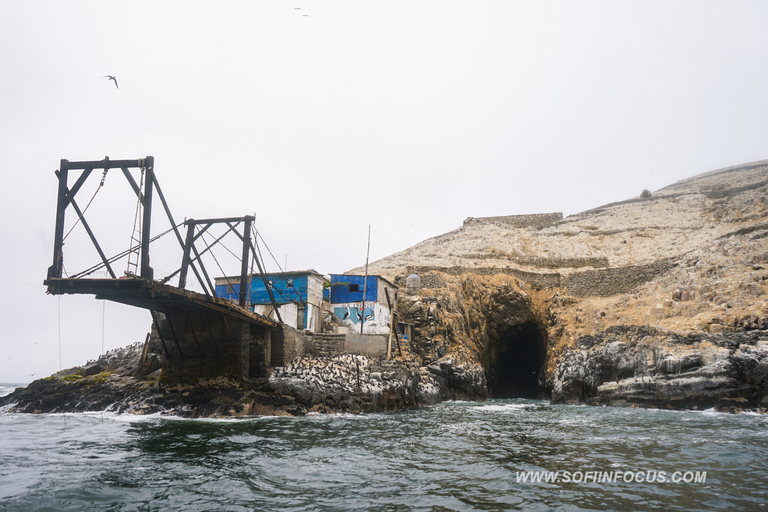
x: 314, y: 318
x: 377, y: 317
x: 290, y: 315
x: 314, y: 290
x: 288, y: 312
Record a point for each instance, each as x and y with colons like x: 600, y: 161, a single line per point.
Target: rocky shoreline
x: 642, y: 366
x: 657, y: 301
x: 347, y: 383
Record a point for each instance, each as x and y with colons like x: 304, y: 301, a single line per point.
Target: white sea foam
x: 506, y: 408
x: 8, y: 388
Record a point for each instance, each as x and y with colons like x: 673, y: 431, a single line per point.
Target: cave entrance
x: 520, y: 353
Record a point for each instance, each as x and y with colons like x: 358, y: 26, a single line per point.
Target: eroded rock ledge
x: 648, y: 367
x: 352, y: 383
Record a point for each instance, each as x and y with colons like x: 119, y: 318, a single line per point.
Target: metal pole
x: 266, y: 286
x: 365, y: 280
x: 244, y: 262
x: 187, y: 251
x: 61, y: 206
x: 146, y: 270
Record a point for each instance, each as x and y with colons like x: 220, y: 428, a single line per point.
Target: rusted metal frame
x: 190, y: 243
x: 176, y: 229
x: 197, y: 274
x: 93, y: 238
x: 146, y: 270
x: 79, y: 183
x: 185, y: 257
x: 244, y: 261
x: 265, y: 281
x: 132, y: 183
x: 194, y: 336
x: 207, y: 248
x: 191, y: 224
x: 224, y: 219
x: 66, y: 196
x: 160, y: 335
x: 205, y: 273
x: 105, y: 164
x: 232, y: 227
x: 70, y: 198
x: 202, y: 230
x: 55, y: 269
x: 212, y: 291
x: 209, y: 224
x: 113, y: 259
x: 210, y: 333
x: 229, y: 337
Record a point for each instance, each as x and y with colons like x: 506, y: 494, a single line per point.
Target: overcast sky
x: 325, y: 117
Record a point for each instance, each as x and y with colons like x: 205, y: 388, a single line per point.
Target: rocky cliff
x: 659, y: 300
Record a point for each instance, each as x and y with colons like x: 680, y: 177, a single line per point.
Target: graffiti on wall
x: 352, y: 314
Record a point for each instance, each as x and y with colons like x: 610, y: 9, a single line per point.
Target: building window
x: 354, y: 287
x: 289, y: 283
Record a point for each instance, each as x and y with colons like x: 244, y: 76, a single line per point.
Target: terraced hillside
x: 658, y: 299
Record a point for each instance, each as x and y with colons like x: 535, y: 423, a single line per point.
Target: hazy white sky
x: 406, y: 116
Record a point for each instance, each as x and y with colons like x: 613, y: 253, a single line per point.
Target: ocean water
x: 452, y: 456
x: 7, y: 389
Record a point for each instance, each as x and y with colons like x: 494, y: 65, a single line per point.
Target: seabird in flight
x: 113, y: 79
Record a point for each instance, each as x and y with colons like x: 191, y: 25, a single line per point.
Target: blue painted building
x: 347, y: 302
x: 298, y: 295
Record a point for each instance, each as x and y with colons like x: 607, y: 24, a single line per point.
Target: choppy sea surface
x: 452, y: 456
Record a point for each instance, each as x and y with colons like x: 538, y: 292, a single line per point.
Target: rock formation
x: 658, y: 301
x: 655, y: 301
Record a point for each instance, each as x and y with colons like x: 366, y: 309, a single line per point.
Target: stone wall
x: 287, y: 344
x: 324, y: 344
x: 534, y: 220
x: 537, y: 280
x: 541, y: 261
x: 371, y: 345
x: 331, y: 344
x: 610, y: 281
x: 191, y: 345
x: 600, y: 282
x: 555, y: 263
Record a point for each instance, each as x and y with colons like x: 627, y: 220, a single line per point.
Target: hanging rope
x: 250, y: 277
x: 229, y: 251
x: 101, y: 265
x: 103, y: 318
x: 58, y: 315
x: 270, y: 252
x: 256, y: 245
x: 136, y: 228
x: 103, y: 177
x: 208, y: 248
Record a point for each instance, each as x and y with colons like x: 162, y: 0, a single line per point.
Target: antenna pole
x: 365, y: 280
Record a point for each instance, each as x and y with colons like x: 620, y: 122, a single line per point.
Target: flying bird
x: 113, y: 79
